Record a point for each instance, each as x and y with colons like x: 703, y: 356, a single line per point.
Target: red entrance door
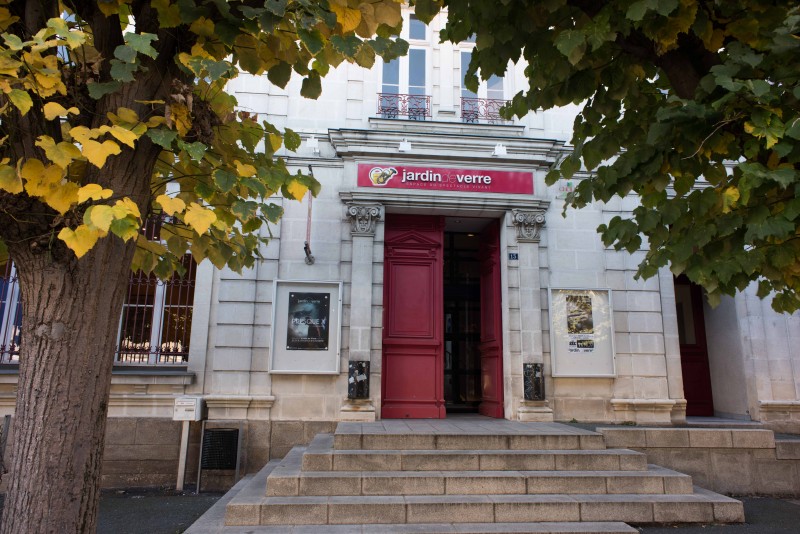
x: 412, y: 378
x: 694, y: 353
x: 491, y: 346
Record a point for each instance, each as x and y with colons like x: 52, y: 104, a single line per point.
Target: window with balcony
x: 404, y: 80
x: 483, y: 106
x: 155, y: 320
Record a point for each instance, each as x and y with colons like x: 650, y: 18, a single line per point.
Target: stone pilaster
x: 529, y: 226
x: 363, y: 219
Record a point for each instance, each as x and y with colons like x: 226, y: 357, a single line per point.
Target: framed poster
x: 582, y: 333
x: 306, y: 327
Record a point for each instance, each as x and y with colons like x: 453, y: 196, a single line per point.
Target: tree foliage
x: 692, y: 105
x: 86, y: 83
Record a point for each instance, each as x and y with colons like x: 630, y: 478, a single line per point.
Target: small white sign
x: 188, y: 409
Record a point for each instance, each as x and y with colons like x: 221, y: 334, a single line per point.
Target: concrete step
x: 321, y: 456
x: 437, y: 528
x: 581, y: 440
x: 285, y: 482
x: 702, y: 506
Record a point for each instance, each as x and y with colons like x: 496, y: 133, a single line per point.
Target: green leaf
x: 425, y: 10
x: 312, y: 85
x: 125, y: 53
x: 346, y: 45
x: 280, y: 74
x: 99, y: 90
x: 571, y: 43
x: 312, y: 39
x: 637, y: 10
x: 123, y: 72
x: 141, y: 42
x: 195, y: 150
x: 291, y: 139
x: 225, y: 179
x: 162, y: 137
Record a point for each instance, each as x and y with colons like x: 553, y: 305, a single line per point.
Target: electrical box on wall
x: 188, y: 409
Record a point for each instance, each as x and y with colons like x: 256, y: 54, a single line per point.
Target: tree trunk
x: 71, y: 315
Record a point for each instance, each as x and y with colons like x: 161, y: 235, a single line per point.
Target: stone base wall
x: 731, y: 461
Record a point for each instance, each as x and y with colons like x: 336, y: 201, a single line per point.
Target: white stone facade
x: 752, y: 351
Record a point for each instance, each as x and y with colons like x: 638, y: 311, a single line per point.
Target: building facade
x: 434, y: 274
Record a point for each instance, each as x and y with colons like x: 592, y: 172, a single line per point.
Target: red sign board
x: 444, y: 179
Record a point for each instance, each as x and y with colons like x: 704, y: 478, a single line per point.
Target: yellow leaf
x: 111, y: 7
x: 81, y: 240
x: 100, y: 216
x: 63, y: 197
x: 40, y: 180
x: 170, y: 205
x: 131, y: 206
x: 53, y: 110
x: 275, y: 141
x: 82, y: 134
x: 124, y: 135
x: 62, y: 154
x: 180, y: 116
x: 296, y: 189
x: 348, y: 18
x: 125, y: 115
x: 388, y: 12
x: 244, y: 169
x: 97, y: 153
x: 21, y: 99
x: 156, y: 120
x: 9, y: 181
x: 203, y: 27
x: 199, y: 218
x: 93, y: 192
x: 729, y: 198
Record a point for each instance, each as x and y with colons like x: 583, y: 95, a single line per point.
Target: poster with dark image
x: 309, y: 317
x: 579, y: 314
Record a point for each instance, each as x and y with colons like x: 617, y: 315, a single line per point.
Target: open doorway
x: 442, y: 350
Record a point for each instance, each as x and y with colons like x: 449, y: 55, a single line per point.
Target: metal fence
x: 414, y: 107
x: 475, y: 110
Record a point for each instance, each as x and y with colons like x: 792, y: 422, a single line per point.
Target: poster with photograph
x: 306, y: 327
x: 581, y: 333
x: 308, y: 321
x: 580, y: 323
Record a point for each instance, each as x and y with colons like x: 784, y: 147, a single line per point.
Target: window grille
x: 155, y: 323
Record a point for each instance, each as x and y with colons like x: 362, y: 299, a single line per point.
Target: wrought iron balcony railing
x: 474, y: 110
x: 414, y: 107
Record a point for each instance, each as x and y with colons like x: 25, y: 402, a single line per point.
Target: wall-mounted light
x: 405, y: 146
x: 313, y: 143
x: 499, y: 150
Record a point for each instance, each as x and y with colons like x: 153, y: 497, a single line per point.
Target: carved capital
x: 363, y: 218
x: 529, y: 225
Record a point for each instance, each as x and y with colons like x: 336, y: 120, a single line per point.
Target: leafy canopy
x: 693, y: 106
x: 106, y: 102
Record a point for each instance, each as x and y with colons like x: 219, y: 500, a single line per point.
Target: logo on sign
x: 380, y: 176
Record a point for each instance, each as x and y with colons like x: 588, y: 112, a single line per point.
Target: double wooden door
x: 413, y: 323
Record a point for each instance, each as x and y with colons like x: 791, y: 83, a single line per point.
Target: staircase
x: 470, y: 476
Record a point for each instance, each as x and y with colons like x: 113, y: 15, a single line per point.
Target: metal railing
x: 155, y: 323
x: 414, y: 107
x: 475, y: 110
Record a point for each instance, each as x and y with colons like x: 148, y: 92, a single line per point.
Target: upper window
x: 417, y: 30
x: 483, y: 106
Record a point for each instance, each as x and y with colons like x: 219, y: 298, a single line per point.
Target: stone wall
x: 731, y: 461
x: 143, y: 451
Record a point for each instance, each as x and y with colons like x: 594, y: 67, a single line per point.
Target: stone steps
x: 412, y: 478
x: 288, y: 480
x: 698, y: 507
x: 463, y: 441
x: 322, y: 456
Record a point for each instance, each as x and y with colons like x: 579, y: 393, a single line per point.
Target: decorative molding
x: 239, y: 401
x: 447, y: 203
x: 363, y: 218
x: 779, y: 406
x: 657, y: 405
x: 529, y: 225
